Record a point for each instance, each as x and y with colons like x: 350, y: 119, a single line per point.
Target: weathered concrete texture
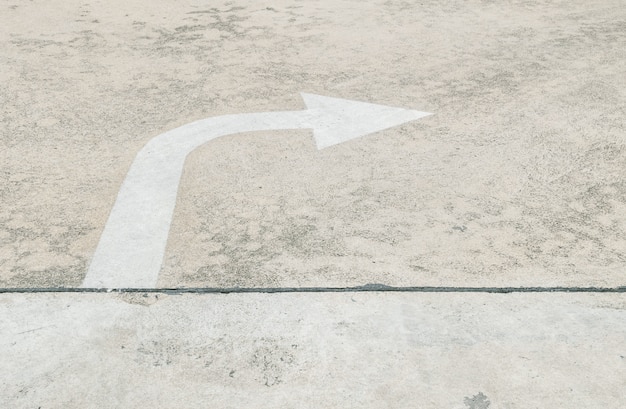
x: 517, y: 180
x: 358, y: 350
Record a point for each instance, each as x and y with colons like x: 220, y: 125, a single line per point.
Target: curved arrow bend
x: 132, y: 245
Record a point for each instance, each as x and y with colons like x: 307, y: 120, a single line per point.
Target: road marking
x: 132, y: 245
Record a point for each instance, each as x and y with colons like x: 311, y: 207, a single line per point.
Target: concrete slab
x: 372, y: 350
x: 516, y: 180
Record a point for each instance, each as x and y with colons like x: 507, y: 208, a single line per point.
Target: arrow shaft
x: 131, y: 249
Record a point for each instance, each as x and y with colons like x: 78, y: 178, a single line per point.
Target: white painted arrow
x: 132, y: 245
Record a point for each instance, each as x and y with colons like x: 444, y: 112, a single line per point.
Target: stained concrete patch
x: 479, y: 401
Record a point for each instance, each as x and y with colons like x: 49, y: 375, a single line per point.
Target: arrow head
x: 336, y: 120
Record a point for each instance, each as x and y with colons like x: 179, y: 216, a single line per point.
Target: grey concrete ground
x: 453, y: 351
x: 516, y: 180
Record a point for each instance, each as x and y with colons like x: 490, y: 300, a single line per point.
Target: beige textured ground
x: 518, y: 178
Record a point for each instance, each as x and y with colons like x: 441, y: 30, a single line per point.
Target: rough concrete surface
x: 453, y: 351
x: 516, y: 180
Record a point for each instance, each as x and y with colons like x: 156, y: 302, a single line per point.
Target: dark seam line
x: 364, y: 288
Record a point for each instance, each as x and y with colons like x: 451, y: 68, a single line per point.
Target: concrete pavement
x: 516, y: 180
x: 374, y: 350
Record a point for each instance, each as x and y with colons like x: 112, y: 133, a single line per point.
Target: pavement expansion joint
x: 363, y: 288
